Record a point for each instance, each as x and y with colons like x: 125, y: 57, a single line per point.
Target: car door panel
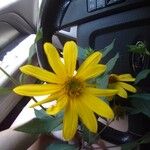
x: 8, y: 33
x: 18, y: 21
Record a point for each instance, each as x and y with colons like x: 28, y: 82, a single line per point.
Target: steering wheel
x: 58, y: 14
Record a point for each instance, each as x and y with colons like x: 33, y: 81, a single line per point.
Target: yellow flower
x: 118, y: 82
x: 69, y: 88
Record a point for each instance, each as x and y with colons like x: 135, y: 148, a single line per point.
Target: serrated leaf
x: 102, y: 81
x: 61, y: 146
x: 108, y: 48
x: 129, y: 146
x: 35, y: 126
x: 142, y: 75
x: 111, y: 63
x: 39, y: 35
x: 4, y: 90
x: 41, y: 125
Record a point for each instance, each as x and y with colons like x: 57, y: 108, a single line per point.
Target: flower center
x: 112, y: 79
x: 74, y: 87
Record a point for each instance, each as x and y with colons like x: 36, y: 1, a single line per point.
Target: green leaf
x: 61, y: 146
x: 31, y: 53
x: 139, y: 48
x: 35, y: 126
x: 23, y: 78
x: 142, y: 75
x: 39, y: 35
x: 111, y: 63
x: 102, y: 81
x: 129, y: 146
x: 41, y: 114
x: 145, y: 139
x: 141, y: 96
x: 87, y: 136
x: 42, y: 124
x: 141, y: 102
x: 42, y: 8
x: 83, y: 53
x: 143, y: 107
x: 131, y: 110
x: 60, y: 127
x: 4, y: 90
x: 136, y: 49
x: 108, y: 48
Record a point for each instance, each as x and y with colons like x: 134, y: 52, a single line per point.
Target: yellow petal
x: 46, y: 100
x: 98, y: 106
x: 37, y: 89
x: 91, y: 72
x: 126, y: 77
x: 87, y: 116
x: 122, y: 93
x: 101, y: 92
x: 70, y: 121
x: 61, y: 103
x: 128, y: 87
x: 90, y: 61
x: 54, y: 59
x: 40, y: 74
x: 70, y: 53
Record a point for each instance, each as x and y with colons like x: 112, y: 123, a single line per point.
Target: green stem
x: 11, y: 78
x: 108, y: 123
x: 16, y: 83
x: 39, y: 105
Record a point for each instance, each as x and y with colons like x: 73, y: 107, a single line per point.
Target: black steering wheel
x: 58, y: 14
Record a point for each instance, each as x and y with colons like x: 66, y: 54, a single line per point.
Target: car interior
x: 90, y: 23
x: 17, y: 26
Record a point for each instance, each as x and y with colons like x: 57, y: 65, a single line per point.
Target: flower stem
x: 108, y: 123
x: 16, y: 83
x: 11, y: 78
x: 39, y: 105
